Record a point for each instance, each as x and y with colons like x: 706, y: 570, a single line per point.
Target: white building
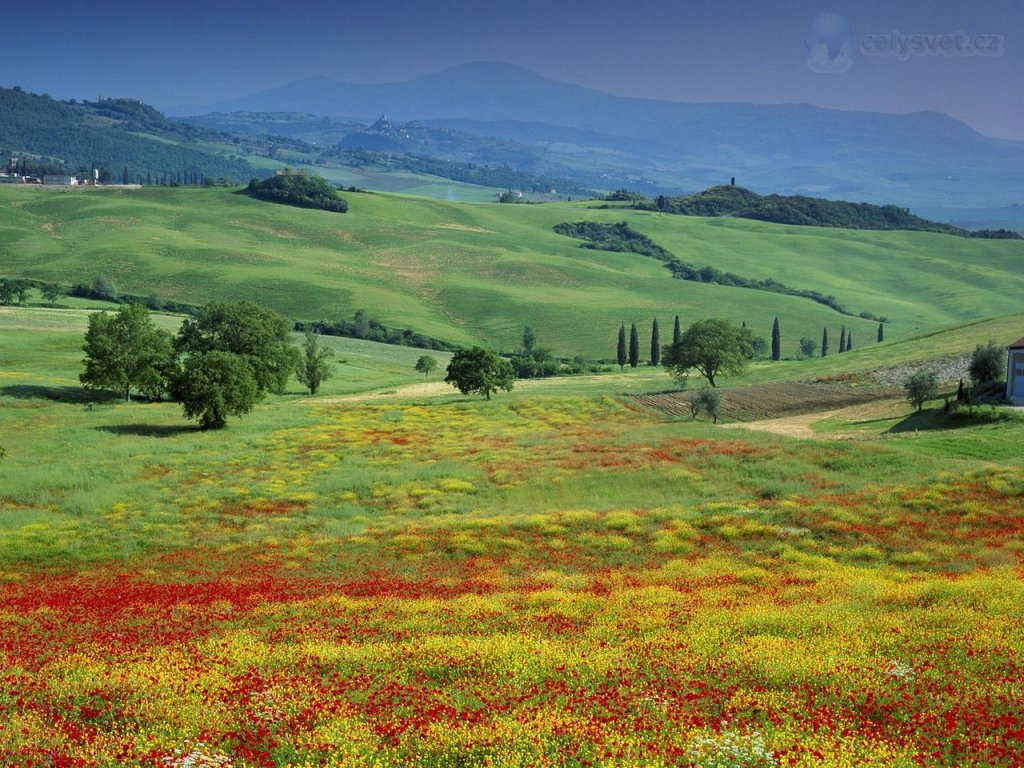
x: 60, y: 180
x: 1015, y: 373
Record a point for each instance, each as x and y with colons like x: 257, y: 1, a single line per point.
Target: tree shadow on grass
x: 149, y: 430
x: 58, y: 394
x: 935, y: 419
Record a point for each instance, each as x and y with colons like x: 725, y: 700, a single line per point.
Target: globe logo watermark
x: 830, y: 43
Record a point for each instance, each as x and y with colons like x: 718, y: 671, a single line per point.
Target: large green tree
x: 125, y: 351
x: 215, y: 385
x: 711, y: 346
x: 479, y: 371
x: 257, y: 334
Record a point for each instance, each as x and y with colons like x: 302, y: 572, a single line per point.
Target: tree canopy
x: 988, y: 363
x: 126, y: 351
x: 479, y: 371
x: 314, y: 366
x: 298, y: 189
x: 215, y: 385
x: 711, y: 347
x: 255, y: 333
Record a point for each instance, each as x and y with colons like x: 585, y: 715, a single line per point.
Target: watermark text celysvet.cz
x: 831, y: 44
x: 905, y: 46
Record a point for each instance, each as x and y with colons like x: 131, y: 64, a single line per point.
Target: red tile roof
x: 1018, y: 344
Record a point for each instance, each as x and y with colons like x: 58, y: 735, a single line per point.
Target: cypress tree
x: 655, y: 343
x: 634, y: 347
x: 842, y: 340
x: 881, y: 333
x: 824, y: 342
x: 622, y: 346
x: 849, y: 341
x: 776, y: 340
x: 676, y: 332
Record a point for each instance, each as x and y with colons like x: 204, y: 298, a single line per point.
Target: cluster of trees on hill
x: 802, y: 210
x: 622, y: 238
x: 298, y: 189
x: 77, y: 137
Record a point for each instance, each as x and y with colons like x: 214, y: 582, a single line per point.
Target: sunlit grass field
x: 556, y: 577
x: 480, y: 272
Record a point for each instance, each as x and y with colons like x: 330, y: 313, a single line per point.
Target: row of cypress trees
x: 631, y: 353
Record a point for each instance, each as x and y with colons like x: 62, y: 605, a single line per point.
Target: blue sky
x: 201, y: 51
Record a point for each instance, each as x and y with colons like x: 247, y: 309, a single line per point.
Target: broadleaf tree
x: 242, y: 328
x: 314, y: 366
x: 126, y: 351
x: 711, y: 346
x: 479, y: 371
x: 215, y: 385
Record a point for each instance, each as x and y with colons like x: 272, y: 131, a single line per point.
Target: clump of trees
x: 531, y: 361
x: 298, y: 189
x: 221, y: 363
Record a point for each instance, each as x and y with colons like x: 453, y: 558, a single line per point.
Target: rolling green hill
x: 479, y: 273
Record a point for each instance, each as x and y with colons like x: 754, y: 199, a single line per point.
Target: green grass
x: 479, y: 273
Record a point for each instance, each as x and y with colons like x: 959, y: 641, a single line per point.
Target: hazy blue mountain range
x: 927, y: 161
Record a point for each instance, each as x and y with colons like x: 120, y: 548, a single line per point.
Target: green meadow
x: 391, y: 574
x: 477, y: 273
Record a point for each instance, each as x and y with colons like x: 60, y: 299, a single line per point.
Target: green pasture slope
x: 473, y: 273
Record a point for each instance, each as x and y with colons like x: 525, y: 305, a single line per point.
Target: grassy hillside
x: 479, y: 273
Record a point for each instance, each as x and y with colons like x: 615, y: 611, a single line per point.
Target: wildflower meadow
x: 534, y: 581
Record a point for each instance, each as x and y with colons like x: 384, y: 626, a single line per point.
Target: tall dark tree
x: 776, y: 340
x: 655, y: 343
x: 676, y: 331
x: 842, y: 340
x: 634, y: 347
x: 849, y: 341
x: 621, y: 358
x: 881, y: 333
x: 824, y: 342
x: 529, y: 339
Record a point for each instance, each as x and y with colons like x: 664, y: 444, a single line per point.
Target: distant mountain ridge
x: 924, y: 160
